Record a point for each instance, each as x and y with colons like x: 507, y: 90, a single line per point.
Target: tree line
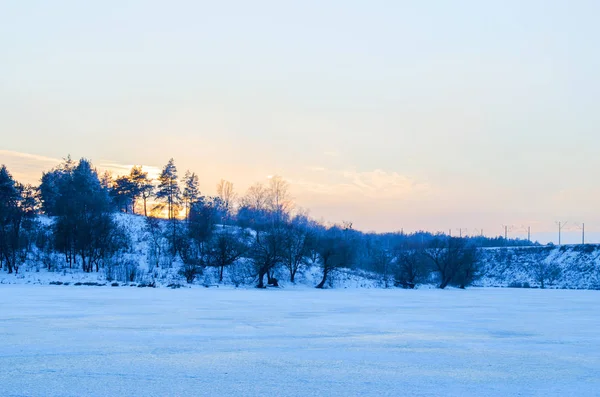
x: 261, y: 229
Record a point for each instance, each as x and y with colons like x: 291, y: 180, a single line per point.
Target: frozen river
x: 103, y: 341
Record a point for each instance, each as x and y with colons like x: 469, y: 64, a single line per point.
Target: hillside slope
x: 572, y: 267
x: 567, y: 266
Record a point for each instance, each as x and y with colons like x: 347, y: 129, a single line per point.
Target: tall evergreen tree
x: 143, y: 187
x: 168, y: 189
x: 53, y: 183
x: 84, y: 227
x: 191, y: 191
x: 123, y: 193
x: 17, y: 209
x: 169, y: 192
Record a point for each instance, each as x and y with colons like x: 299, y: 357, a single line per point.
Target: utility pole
x: 460, y: 230
x: 560, y: 227
x: 582, y: 227
x: 529, y: 233
x: 507, y: 229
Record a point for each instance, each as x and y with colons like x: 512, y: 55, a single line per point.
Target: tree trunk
x: 444, y: 283
x: 325, y: 273
x: 261, y: 275
x: 221, y: 274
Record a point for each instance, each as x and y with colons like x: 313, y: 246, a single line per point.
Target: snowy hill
x: 567, y: 266
x: 142, y: 266
x: 145, y: 263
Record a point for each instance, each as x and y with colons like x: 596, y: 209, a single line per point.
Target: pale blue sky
x: 422, y: 114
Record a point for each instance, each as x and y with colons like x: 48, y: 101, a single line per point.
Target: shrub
x: 190, y: 272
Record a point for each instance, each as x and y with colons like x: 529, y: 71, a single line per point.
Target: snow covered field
x: 103, y: 341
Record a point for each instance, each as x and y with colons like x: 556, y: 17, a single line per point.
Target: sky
x: 413, y: 115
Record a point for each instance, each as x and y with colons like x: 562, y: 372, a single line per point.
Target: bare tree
x: 381, y: 257
x: 227, y: 195
x: 453, y: 259
x: 266, y: 253
x: 543, y: 270
x: 336, y: 250
x: 411, y: 267
x: 256, y: 197
x: 225, y: 248
x: 298, y: 240
x: 279, y: 200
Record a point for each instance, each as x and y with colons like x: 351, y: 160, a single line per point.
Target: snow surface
x: 579, y: 266
x: 99, y: 341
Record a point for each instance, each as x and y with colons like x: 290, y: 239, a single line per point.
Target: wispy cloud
x: 351, y: 184
x: 28, y: 168
x: 122, y: 169
x: 28, y: 157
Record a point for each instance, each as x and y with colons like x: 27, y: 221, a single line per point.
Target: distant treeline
x: 261, y: 227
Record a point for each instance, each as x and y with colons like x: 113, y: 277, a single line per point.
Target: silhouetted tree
x: 84, y: 226
x: 411, y: 267
x: 53, y: 184
x: 227, y: 195
x: 279, y: 201
x: 191, y: 191
x: 266, y: 252
x: 336, y: 250
x: 203, y: 217
x: 169, y: 192
x: 168, y: 188
x: 225, y: 248
x: 17, y: 211
x: 454, y: 259
x: 299, y: 237
x: 123, y: 193
x: 143, y: 187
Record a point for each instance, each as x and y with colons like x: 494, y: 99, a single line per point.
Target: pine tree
x: 191, y: 191
x: 84, y: 226
x: 142, y: 186
x: 123, y: 194
x: 168, y: 188
x: 17, y: 206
